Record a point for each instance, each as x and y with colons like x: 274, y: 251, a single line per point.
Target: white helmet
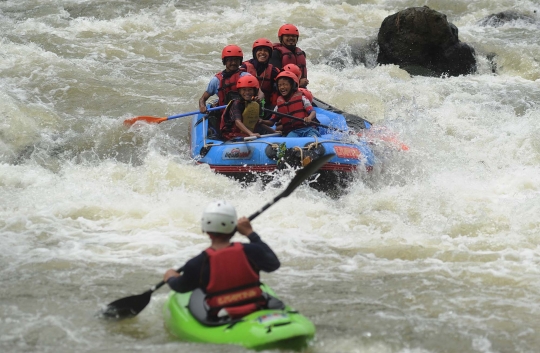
x: 219, y: 217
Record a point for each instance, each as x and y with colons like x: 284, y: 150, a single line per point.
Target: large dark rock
x: 422, y: 41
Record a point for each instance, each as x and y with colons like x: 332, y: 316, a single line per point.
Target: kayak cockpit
x: 199, y: 309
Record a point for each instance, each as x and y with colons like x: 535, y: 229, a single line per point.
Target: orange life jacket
x: 233, y: 282
x: 227, y: 87
x: 265, y: 80
x: 307, y: 93
x: 288, y: 57
x: 295, y: 107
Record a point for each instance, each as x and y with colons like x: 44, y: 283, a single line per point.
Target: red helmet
x: 294, y: 69
x: 288, y: 29
x: 263, y: 42
x: 247, y: 81
x: 232, y: 51
x: 290, y: 75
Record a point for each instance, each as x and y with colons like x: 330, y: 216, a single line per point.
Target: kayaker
x: 286, y: 52
x: 227, y: 272
x: 265, y: 72
x: 296, y: 70
x: 292, y: 102
x: 241, y: 118
x: 223, y: 84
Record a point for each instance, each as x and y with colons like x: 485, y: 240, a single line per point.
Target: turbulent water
x: 436, y: 250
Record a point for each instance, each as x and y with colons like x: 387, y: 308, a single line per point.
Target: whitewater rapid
x: 435, y: 250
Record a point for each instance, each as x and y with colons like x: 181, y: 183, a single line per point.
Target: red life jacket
x: 295, y: 107
x: 265, y: 81
x: 225, y: 86
x: 233, y: 282
x: 288, y: 57
x: 307, y: 93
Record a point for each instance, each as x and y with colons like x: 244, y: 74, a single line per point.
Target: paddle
x: 300, y: 119
x: 370, y: 133
x: 154, y: 120
x: 354, y: 118
x: 251, y: 138
x: 133, y: 305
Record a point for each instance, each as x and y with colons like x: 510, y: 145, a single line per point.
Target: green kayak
x: 278, y: 328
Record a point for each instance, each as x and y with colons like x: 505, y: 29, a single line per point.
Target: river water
x: 436, y: 250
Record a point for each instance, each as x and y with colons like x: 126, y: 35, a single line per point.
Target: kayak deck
x: 263, y: 329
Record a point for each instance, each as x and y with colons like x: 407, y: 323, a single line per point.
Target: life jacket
x: 265, y: 80
x: 250, y: 118
x: 233, y: 284
x: 227, y: 87
x: 307, y: 93
x: 295, y: 107
x: 288, y: 57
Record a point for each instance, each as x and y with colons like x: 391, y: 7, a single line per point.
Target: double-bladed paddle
x: 154, y: 120
x: 131, y: 306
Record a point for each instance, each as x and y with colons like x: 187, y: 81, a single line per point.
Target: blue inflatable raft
x: 247, y: 159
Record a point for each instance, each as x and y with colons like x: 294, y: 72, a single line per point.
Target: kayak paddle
x: 133, y: 305
x: 154, y: 120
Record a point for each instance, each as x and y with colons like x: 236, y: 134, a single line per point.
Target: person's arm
x: 235, y: 114
x: 257, y: 251
x: 311, y: 117
x: 239, y: 124
x: 189, y: 279
x: 303, y: 79
x: 309, y: 109
x: 211, y: 89
x: 202, y: 102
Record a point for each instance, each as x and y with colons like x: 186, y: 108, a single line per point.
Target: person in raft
x: 296, y: 70
x: 292, y: 102
x: 223, y: 84
x: 227, y: 272
x: 265, y: 72
x: 286, y: 52
x: 241, y: 118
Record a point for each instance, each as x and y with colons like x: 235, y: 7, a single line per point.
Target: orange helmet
x: 294, y: 69
x: 288, y: 29
x: 263, y: 42
x: 290, y: 75
x: 231, y: 51
x: 247, y: 81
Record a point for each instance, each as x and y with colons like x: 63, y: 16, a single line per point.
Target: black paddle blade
x: 306, y: 172
x: 127, y: 307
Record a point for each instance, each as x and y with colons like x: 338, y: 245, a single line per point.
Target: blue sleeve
x: 260, y: 254
x: 190, y: 278
x: 213, y: 86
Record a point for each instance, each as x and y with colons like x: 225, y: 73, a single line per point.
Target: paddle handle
x: 300, y: 119
x: 160, y: 284
x: 194, y: 112
x: 265, y: 207
x: 251, y: 138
